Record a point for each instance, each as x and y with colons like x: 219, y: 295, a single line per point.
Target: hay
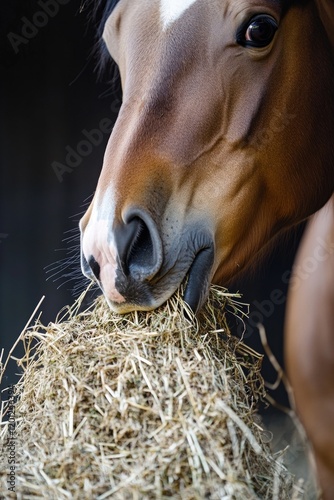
x: 145, y: 405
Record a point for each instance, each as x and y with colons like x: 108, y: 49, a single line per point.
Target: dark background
x: 49, y: 94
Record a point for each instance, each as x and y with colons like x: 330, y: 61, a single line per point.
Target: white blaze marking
x: 98, y: 241
x: 171, y: 10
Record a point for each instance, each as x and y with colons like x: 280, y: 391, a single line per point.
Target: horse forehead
x: 171, y: 10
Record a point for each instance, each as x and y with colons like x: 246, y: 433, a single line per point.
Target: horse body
x: 223, y: 140
x: 309, y: 341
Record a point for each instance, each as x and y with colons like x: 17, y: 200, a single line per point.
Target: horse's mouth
x: 142, y: 295
x: 199, y: 277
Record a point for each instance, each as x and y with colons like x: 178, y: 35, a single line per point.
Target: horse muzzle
x: 134, y: 269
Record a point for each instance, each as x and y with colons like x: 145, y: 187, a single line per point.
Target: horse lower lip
x: 199, y: 279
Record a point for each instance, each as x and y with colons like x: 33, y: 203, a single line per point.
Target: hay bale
x: 145, y: 405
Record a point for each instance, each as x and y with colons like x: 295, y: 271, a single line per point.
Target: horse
x: 224, y: 140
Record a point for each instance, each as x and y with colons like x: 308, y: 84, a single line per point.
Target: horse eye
x: 258, y: 32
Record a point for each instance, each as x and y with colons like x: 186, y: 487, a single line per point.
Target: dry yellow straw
x: 141, y: 406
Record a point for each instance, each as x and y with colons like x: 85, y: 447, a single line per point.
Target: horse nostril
x: 139, y: 248
x: 95, y: 267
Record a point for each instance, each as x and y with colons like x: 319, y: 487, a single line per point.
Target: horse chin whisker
x: 67, y: 270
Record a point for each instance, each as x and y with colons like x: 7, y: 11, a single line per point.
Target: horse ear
x: 326, y: 13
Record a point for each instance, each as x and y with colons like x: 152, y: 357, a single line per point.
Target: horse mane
x: 100, y: 10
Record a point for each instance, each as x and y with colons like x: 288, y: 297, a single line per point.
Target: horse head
x: 223, y: 140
